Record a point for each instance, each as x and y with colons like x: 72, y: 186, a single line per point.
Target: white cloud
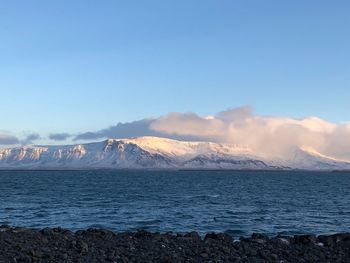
x: 269, y: 135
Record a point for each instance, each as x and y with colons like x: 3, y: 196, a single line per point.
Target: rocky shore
x: 99, y: 245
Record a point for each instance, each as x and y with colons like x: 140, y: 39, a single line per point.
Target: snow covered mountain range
x: 159, y: 153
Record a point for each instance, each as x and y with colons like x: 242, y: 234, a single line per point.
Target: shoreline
x: 18, y: 244
x: 170, y: 170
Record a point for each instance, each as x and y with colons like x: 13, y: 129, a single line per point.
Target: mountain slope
x: 157, y: 153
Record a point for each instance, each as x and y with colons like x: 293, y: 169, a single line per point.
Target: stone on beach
x: 100, y: 245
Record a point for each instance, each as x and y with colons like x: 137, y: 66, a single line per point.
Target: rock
x: 259, y: 236
x: 83, y: 247
x: 98, y: 245
x: 47, y: 231
x: 204, y: 255
x: 194, y: 236
x: 142, y: 233
x: 221, y: 237
x: 328, y: 241
x: 273, y: 256
x: 341, y: 237
x: 284, y: 241
x: 305, y: 239
x: 4, y: 228
x: 57, y: 229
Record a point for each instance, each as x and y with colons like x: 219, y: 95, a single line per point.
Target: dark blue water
x: 238, y: 203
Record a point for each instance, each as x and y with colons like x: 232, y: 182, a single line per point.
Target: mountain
x: 159, y: 153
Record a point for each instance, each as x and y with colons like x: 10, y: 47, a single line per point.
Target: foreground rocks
x: 98, y: 245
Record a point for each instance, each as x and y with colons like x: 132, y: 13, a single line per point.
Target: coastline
x: 18, y: 244
x: 87, y: 169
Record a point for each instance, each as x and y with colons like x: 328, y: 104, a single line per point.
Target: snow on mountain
x: 158, y: 153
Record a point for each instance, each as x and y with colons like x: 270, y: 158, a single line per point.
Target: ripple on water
x: 233, y: 202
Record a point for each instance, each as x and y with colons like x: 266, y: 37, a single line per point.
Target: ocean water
x: 238, y: 203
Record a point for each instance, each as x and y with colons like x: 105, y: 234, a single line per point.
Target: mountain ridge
x: 159, y: 153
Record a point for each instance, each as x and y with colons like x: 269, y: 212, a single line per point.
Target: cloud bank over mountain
x: 276, y: 136
x: 121, y: 130
x: 270, y: 135
x: 132, y: 129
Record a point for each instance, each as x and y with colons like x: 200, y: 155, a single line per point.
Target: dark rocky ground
x: 98, y: 245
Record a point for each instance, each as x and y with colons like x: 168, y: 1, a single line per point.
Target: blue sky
x: 76, y: 66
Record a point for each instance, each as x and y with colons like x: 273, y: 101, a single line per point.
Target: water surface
x: 237, y: 203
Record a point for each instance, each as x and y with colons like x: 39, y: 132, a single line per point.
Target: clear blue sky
x: 73, y: 66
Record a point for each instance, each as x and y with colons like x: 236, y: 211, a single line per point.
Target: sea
x: 235, y: 202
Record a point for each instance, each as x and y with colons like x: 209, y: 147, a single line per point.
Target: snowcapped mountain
x: 158, y: 153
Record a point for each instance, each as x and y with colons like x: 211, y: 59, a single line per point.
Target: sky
x: 72, y: 69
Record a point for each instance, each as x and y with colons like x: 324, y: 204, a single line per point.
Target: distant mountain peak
x: 159, y: 153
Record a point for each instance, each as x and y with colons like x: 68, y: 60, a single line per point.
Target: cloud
x: 277, y: 136
x: 269, y: 135
x: 121, y: 130
x: 30, y: 138
x: 6, y: 139
x: 59, y: 136
x: 190, y: 124
x: 127, y: 130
